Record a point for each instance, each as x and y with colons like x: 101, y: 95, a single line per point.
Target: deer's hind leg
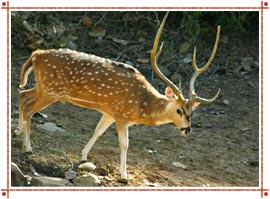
x: 25, y: 97
x: 30, y: 102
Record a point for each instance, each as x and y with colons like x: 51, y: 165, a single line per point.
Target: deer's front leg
x: 122, y: 130
x: 102, y: 126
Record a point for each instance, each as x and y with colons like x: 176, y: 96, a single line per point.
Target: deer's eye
x: 179, y: 111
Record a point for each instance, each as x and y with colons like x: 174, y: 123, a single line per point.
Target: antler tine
x: 153, y: 59
x: 199, y: 71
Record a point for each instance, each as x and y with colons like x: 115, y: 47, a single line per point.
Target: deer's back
x: 113, y: 86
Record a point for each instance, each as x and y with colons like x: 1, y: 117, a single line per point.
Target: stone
x: 179, y: 165
x: 89, y: 180
x: 87, y: 166
x: 226, y: 102
x: 150, y: 184
x: 187, y: 60
x: 49, y: 127
x: 44, y: 181
x: 70, y: 175
x: 18, y: 179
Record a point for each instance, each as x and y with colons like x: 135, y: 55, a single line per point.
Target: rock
x: 87, y: 166
x: 246, y: 67
x: 101, y: 171
x: 50, y: 127
x: 237, y: 69
x: 151, y: 151
x: 187, y: 60
x: 38, y: 114
x: 179, y: 165
x: 89, y: 180
x: 226, y: 102
x: 44, y: 181
x: 18, y: 179
x: 150, y: 184
x: 247, y: 63
x: 70, y: 175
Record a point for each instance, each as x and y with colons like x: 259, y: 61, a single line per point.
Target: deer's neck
x: 155, y: 109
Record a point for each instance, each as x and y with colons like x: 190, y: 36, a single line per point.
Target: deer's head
x: 181, y: 109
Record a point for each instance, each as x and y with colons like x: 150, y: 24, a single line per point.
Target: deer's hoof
x: 123, y: 180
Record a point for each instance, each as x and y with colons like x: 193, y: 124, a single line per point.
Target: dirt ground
x: 223, y: 149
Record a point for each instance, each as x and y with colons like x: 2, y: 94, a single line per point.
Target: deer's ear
x: 195, y: 105
x: 169, y: 92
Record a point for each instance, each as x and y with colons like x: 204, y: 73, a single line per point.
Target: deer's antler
x: 198, y: 71
x: 153, y: 59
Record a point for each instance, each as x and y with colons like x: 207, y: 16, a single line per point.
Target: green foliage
x: 46, y: 30
x: 70, y: 136
x: 32, y: 142
x: 233, y: 22
x: 57, y: 152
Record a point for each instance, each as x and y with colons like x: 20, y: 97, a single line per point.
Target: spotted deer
x: 117, y: 90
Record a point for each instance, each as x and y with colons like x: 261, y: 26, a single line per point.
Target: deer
x: 117, y: 90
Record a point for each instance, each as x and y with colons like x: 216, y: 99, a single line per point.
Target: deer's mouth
x: 186, y: 131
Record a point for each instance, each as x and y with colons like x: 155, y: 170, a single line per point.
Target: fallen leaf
x: 119, y: 41
x: 97, y: 32
x: 143, y: 60
x: 87, y: 21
